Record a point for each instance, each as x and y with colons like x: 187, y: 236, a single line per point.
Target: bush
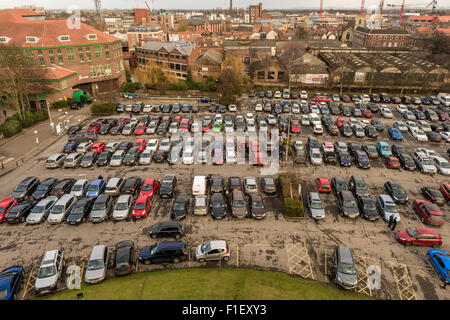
x: 14, y: 125
x: 130, y: 87
x: 60, y: 104
x: 10, y: 128
x: 107, y: 108
x: 293, y: 208
x: 178, y: 86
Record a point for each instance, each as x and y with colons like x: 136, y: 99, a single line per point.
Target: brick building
x: 388, y: 38
x: 70, y: 58
x: 138, y: 35
x: 207, y: 64
x: 255, y: 12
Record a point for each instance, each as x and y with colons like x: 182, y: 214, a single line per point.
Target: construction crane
x: 321, y: 5
x: 363, y: 2
x: 403, y: 5
x: 433, y: 8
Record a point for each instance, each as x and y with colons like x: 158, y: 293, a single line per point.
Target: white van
x: 444, y: 98
x: 199, y: 186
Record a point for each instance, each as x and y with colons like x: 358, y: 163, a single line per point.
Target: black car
x: 397, y: 150
x: 346, y: 112
x: 103, y: 158
x: 329, y: 157
x: 218, y: 206
x: 104, y: 129
x: 437, y: 127
x: 125, y: 146
x: 234, y: 183
x: 212, y: 108
x: 89, y: 159
x: 396, y: 191
x: 362, y: 159
x: 335, y: 110
x: 344, y: 158
x: 83, y: 137
x: 353, y: 147
x: 222, y: 108
x: 162, y: 129
x: 346, y: 130
x: 385, y: 98
x: 170, y: 251
x: 217, y: 184
x: 132, y: 156
x: 116, y: 130
x: 160, y: 156
x: 44, y: 188
x: 338, y: 184
x: 367, y: 208
x: 179, y: 208
x: 124, y: 258
x: 433, y: 195
x: 371, y: 131
x: 80, y: 211
x: 132, y: 185
x: 377, y: 124
x: 74, y: 129
x: 25, y: 188
x: 19, y: 212
x: 168, y: 185
x: 407, y: 162
x: 332, y: 129
x: 63, y: 187
x: 166, y: 229
x: 358, y: 186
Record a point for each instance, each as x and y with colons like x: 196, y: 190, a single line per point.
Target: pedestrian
x: 394, y: 224
x: 131, y: 114
x: 4, y: 112
x: 391, y: 220
x: 100, y: 177
x: 444, y: 286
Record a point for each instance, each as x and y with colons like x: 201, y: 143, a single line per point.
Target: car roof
x: 218, y: 244
x: 164, y: 245
x: 97, y: 252
x: 49, y: 255
x: 386, y: 198
x: 345, y: 255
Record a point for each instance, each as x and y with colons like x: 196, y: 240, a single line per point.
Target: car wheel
x: 176, y: 260
x: 177, y: 236
x: 226, y: 258
x: 407, y: 244
x: 201, y: 260
x: 147, y: 262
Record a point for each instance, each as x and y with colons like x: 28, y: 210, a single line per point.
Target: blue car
x: 383, y: 149
x: 395, y: 133
x: 70, y: 147
x: 205, y: 100
x: 440, y: 261
x: 325, y: 110
x: 387, y: 207
x: 95, y: 188
x: 10, y: 279
x: 261, y: 94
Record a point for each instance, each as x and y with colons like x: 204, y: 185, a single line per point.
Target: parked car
x: 124, y: 258
x: 419, y: 237
x: 10, y: 282
x: 61, y: 209
x: 80, y: 211
x: 367, y: 208
x: 41, y: 210
x: 49, y: 272
x: 19, y: 212
x: 387, y: 208
x: 345, y: 269
x: 218, y: 206
x: 347, y: 204
x: 167, y: 251
x: 25, y: 188
x: 440, y: 260
x: 396, y: 191
x: 212, y: 250
x: 97, y: 264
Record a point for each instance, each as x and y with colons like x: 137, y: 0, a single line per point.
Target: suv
x: 346, y: 275
x: 25, y: 188
x: 212, y: 250
x: 424, y: 163
x: 50, y: 271
x: 168, y: 184
x: 168, y: 251
x: 358, y: 186
x: 166, y: 229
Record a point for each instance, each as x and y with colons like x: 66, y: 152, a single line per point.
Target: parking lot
x: 301, y: 248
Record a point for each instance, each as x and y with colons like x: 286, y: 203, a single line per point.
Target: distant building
x: 207, y: 64
x: 255, y: 12
x: 388, y: 38
x: 138, y: 35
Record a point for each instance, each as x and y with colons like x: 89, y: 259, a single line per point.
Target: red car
x: 94, y: 127
x: 443, y: 116
x: 140, y: 129
x: 419, y: 237
x: 150, y: 187
x: 122, y: 122
x: 141, y: 207
x: 218, y: 156
x: 295, y: 126
x: 323, y: 185
x: 392, y: 162
x: 445, y: 190
x: 340, y: 122
x: 322, y: 99
x: 428, y: 212
x: 346, y: 98
x: 254, y: 146
x: 258, y: 159
x: 368, y: 113
x: 140, y: 144
x: 206, y: 127
x: 98, y: 147
x: 177, y: 119
x: 5, y: 206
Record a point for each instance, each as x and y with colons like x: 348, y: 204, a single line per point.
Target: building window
x: 117, y: 67
x: 92, y: 36
x: 108, y: 71
x: 70, y: 54
x: 98, y: 51
x: 31, y: 39
x: 64, y: 38
x: 60, y: 57
x: 261, y: 75
x: 184, y: 67
x: 271, y: 75
x: 92, y: 71
x: 88, y: 54
x: 64, y: 84
x: 100, y: 70
x: 29, y: 55
x: 81, y: 55
x: 280, y: 75
x: 41, y: 58
x: 4, y: 39
x: 107, y: 52
x: 52, y: 58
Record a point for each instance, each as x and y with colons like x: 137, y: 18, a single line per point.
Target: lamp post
x: 37, y: 139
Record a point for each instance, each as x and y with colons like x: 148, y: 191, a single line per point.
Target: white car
x: 146, y: 156
x: 152, y: 144
x: 419, y: 135
x: 425, y: 126
x: 263, y: 126
x: 147, y: 108
x: 196, y: 127
x: 251, y: 127
x: 412, y: 125
x: 151, y: 128
x: 258, y: 107
x: 112, y: 146
x: 232, y: 108
x: 318, y: 129
x: 84, y: 147
x: 277, y: 94
x: 229, y: 128
x: 295, y: 108
x: 314, y: 118
x: 303, y: 95
x: 402, y: 108
x: 400, y: 125
x: 430, y: 153
x: 315, y: 156
x: 173, y: 127
x: 424, y: 163
x: 386, y: 113
x: 445, y: 136
x: 359, y: 131
x: 230, y: 156
x: 442, y: 165
x: 364, y: 123
x: 314, y: 109
x: 188, y: 156
x: 165, y: 145
x: 271, y: 119
x: 352, y: 122
x: 249, y: 117
x: 305, y: 120
x: 327, y: 146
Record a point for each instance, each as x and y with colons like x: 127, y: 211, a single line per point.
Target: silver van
x: 97, y: 265
x: 238, y: 205
x: 49, y: 272
x: 61, y: 209
x: 114, y: 186
x: 346, y: 275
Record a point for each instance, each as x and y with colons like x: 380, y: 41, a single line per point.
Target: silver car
x: 55, y: 160
x: 97, y: 265
x: 117, y: 158
x: 315, y: 206
x: 315, y: 157
x: 112, y: 146
x: 114, y: 186
x: 122, y: 208
x: 146, y: 157
x: 84, y: 147
x: 79, y: 188
x: 165, y: 145
x: 73, y: 160
x: 200, y: 205
x: 346, y: 275
x: 128, y: 129
x: 50, y: 271
x: 101, y: 208
x: 151, y: 128
x: 41, y: 210
x: 212, y: 250
x: 61, y: 209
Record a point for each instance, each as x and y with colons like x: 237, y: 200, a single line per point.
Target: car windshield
x: 316, y: 205
x: 391, y: 208
x: 77, y: 187
x: 206, y: 247
x: 445, y: 165
x: 218, y: 204
x: 147, y: 187
x: 58, y: 209
x: 116, y: 157
x: 347, y: 268
x: 349, y: 204
x: 178, y: 206
x: 238, y: 203
x: 398, y: 190
x: 95, y: 264
x: 121, y: 206
x: 369, y: 205
x: 45, y: 272
x: 315, y: 155
x: 385, y: 148
x: 258, y: 205
x: 42, y: 187
x: 428, y: 162
x: 20, y: 188
x: 99, y: 206
x: 37, y: 209
x: 412, y: 232
x: 79, y: 209
x: 361, y: 186
x: 93, y: 187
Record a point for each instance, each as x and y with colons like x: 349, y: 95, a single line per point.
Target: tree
x: 232, y: 79
x: 183, y: 26
x: 300, y: 33
x: 153, y: 77
x: 341, y: 62
x: 19, y: 77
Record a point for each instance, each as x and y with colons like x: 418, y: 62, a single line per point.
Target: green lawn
x: 203, y: 284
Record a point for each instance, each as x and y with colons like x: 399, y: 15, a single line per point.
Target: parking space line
x: 298, y: 260
x: 325, y: 264
x: 403, y: 281
x: 29, y: 286
x: 237, y: 255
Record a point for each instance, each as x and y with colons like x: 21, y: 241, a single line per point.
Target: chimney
x: 231, y: 6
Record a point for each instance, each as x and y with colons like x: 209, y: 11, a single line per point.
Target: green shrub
x: 10, y: 128
x: 107, y: 108
x: 178, y: 86
x: 130, y: 87
x: 60, y: 104
x: 293, y: 208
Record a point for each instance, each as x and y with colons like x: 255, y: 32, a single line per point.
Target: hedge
x: 293, y: 208
x: 13, y: 125
x: 292, y: 200
x: 107, y: 108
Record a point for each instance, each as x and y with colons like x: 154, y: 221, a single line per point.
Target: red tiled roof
x: 56, y: 73
x: 444, y: 30
x: 13, y: 25
x: 444, y: 18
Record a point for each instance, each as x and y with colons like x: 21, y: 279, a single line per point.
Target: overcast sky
x: 201, y: 4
